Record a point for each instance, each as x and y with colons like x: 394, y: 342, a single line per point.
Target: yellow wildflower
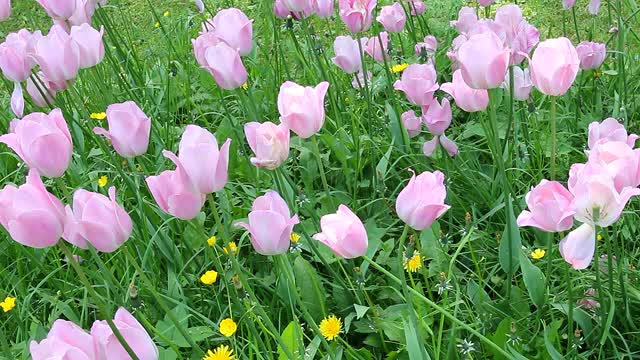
x: 294, y: 237
x: 232, y: 246
x: 245, y: 86
x: 166, y: 13
x: 102, y: 181
x: 209, y: 277
x: 399, y: 68
x: 599, y: 237
x: 228, y: 327
x: 414, y: 263
x: 212, y: 240
x: 157, y: 24
x: 98, y: 116
x: 538, y: 254
x: 330, y: 327
x: 222, y: 352
x: 8, y: 304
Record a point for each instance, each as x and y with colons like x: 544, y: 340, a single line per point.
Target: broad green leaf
x: 551, y: 350
x: 534, y: 280
x: 311, y: 289
x: 290, y: 337
x: 414, y: 345
x: 360, y: 310
x: 510, y: 240
x: 399, y: 135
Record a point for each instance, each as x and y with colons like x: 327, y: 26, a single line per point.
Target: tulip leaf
x: 414, y: 347
x: 510, y: 243
x: 311, y: 290
x: 399, y: 135
x: 534, y: 280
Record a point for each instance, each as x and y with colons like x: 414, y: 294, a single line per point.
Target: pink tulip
x: 225, y: 65
x: 65, y: 341
x: 196, y: 144
x: 175, y: 195
x: 234, y: 28
x: 429, y: 46
x: 591, y: 54
x: 323, y: 8
x: 90, y: 44
x: 302, y: 108
x: 348, y: 54
x: 485, y: 2
x: 5, y: 9
x: 129, y: 129
x: 59, y: 9
x: 438, y: 116
x: 58, y: 55
x: 417, y: 7
x: 594, y: 6
x: 549, y: 206
x: 375, y: 50
x: 483, y: 61
x: 344, y: 233
x: 17, y: 100
x: 609, y: 130
x: 84, y: 12
x: 357, y: 14
x: 200, y: 45
x: 392, y: 17
x: 270, y: 224
x: 429, y: 147
x: 107, y: 345
x: 42, y: 141
x: 554, y: 66
x: 568, y: 4
x: 519, y: 35
x: 421, y: 202
x: 269, y: 142
x: 418, y: 82
x: 468, y: 99
x: 452, y: 54
x: 200, y: 5
x: 412, y: 123
x: 97, y: 220
x: 16, y: 55
x: 521, y: 83
x: 32, y: 216
x: 300, y: 6
x: 589, y: 301
x: 621, y: 161
x: 280, y: 9
x: 42, y: 90
x: 578, y: 247
x: 358, y: 81
x: 467, y: 20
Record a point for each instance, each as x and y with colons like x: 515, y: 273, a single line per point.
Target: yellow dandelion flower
x: 98, y: 116
x: 599, y: 237
x: 212, y: 240
x: 414, y: 263
x: 157, y: 24
x: 228, y: 327
x: 8, y: 304
x: 166, y: 13
x: 294, y: 237
x: 222, y: 352
x: 245, y: 86
x: 538, y: 254
x: 330, y: 327
x: 209, y: 277
x: 232, y: 246
x: 102, y: 181
x: 399, y: 68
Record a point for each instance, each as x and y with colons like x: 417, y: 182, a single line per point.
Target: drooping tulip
x: 467, y: 20
x: 58, y: 55
x: 32, y: 216
x: 392, y: 17
x: 270, y: 224
x: 554, y: 66
x: 107, y: 345
x: 594, y: 6
x: 438, y: 116
x: 609, y: 130
x: 597, y: 201
x: 129, y: 129
x: 302, y: 108
x: 323, y: 8
x: 357, y: 14
x: 97, y: 220
x: 347, y: 53
x: 591, y: 54
x: 344, y: 233
x: 620, y: 160
x: 578, y: 247
x: 429, y: 147
x: 421, y: 202
x: 521, y: 83
x: 418, y: 82
x: 412, y: 123
x: 549, y: 205
x: 42, y: 141
x: 429, y: 46
x: 65, y: 340
x: 234, y: 28
x: 468, y: 99
x: 16, y: 55
x: 90, y: 44
x: 483, y: 61
x: 59, y: 9
x: 269, y: 142
x: 225, y: 65
x: 377, y: 50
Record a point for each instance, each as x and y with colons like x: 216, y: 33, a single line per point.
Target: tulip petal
x: 578, y: 247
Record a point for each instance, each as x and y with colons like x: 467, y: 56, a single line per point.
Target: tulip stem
x: 570, y: 334
x: 101, y: 305
x: 554, y: 140
x: 575, y: 22
x: 323, y: 176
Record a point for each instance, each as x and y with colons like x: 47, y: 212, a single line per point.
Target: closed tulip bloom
x: 621, y: 161
x: 302, y: 108
x: 344, y: 233
x: 412, y: 123
x: 429, y: 46
x: 97, y: 220
x: 174, y: 193
x: 568, y: 4
x: 467, y: 20
x: 90, y: 44
x: 5, y: 9
x: 483, y: 61
x: 594, y: 6
x: 270, y: 224
x: 375, y: 50
x: 485, y: 2
x: 197, y: 144
x: 58, y: 55
x: 467, y: 99
x: 16, y: 55
x: 591, y: 54
x: 578, y: 247
x: 65, y: 341
x: 357, y: 14
x: 32, y: 216
x: 421, y: 202
x: 521, y: 83
x: 417, y: 7
x: 84, y: 12
x: 418, y: 82
x: 280, y: 9
x: 392, y: 17
x: 234, y: 28
x: 597, y: 195
x: 323, y: 8
x: 549, y: 205
x: 438, y: 116
x: 609, y: 130
x: 107, y: 345
x: 59, y: 9
x: 554, y: 66
x: 225, y: 65
x: 129, y: 129
x: 200, y: 45
x: 269, y: 142
x: 42, y: 141
x: 299, y: 6
x: 348, y: 54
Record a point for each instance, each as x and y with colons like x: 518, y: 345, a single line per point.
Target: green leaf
x: 360, y: 310
x: 533, y: 279
x: 290, y: 337
x: 579, y: 316
x: 510, y: 238
x: 311, y: 289
x: 414, y: 347
x: 399, y: 135
x: 551, y: 350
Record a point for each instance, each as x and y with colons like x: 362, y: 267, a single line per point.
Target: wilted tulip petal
x: 429, y: 147
x: 578, y: 247
x: 449, y: 145
x: 344, y: 233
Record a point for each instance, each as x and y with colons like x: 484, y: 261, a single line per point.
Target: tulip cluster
x: 66, y: 340
x: 300, y: 9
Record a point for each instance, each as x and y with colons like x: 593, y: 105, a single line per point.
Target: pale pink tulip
x: 412, y: 123
x: 42, y: 141
x: 609, y: 130
x: 270, y: 224
x: 468, y: 99
x: 58, y: 55
x: 300, y: 6
x: 234, y: 28
x: 591, y: 54
x: 554, y: 66
x: 621, y: 161
x: 65, y: 341
x: 42, y: 90
x: 418, y: 82
x: 578, y: 247
x: 452, y: 54
x: 467, y: 20
x: 129, y: 129
x: 594, y: 6
x: 280, y: 9
x: 174, y: 193
x: 84, y: 12
x: 597, y: 201
x: 429, y: 147
x: 200, y: 5
x: 200, y: 44
x: 485, y: 2
x: 16, y: 55
x: 549, y: 206
x: 375, y: 50
x: 17, y: 100
x: 417, y: 7
x: 358, y: 81
x: 483, y: 61
x: 269, y: 142
x: 59, y: 9
x: 519, y: 36
x: 323, y: 8
x: 344, y: 233
x: 5, y: 9
x: 90, y: 44
x: 31, y: 215
x: 421, y: 202
x: 521, y: 83
x: 225, y: 65
x: 429, y: 46
x: 302, y: 108
x: 347, y: 53
x: 107, y: 345
x: 357, y: 14
x: 568, y: 4
x: 392, y: 17
x: 437, y: 116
